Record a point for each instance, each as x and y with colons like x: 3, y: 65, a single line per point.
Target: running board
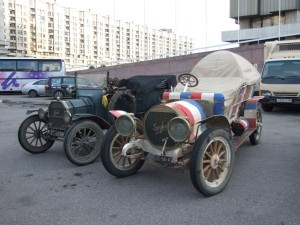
x: 238, y: 140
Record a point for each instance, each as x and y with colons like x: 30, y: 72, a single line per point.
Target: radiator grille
x: 155, y: 126
x: 56, y: 111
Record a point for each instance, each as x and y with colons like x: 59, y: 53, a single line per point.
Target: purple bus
x: 16, y: 72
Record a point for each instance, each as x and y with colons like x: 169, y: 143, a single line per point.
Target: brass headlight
x: 179, y: 129
x: 42, y: 112
x: 125, y: 125
x: 67, y: 117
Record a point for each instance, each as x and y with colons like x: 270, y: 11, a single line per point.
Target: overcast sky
x: 203, y: 20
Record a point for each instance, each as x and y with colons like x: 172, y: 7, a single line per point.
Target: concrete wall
x: 174, y: 65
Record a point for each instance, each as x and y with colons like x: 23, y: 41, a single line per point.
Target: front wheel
x: 32, y: 135
x: 255, y: 136
x: 212, y: 161
x: 111, y: 157
x: 82, y: 142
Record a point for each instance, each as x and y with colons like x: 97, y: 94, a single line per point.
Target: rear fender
x: 100, y: 121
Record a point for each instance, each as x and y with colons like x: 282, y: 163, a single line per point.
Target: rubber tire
x: 32, y: 93
x: 59, y: 94
x: 114, y: 99
x: 196, y: 161
x: 22, y: 136
x: 107, y: 160
x: 256, y: 135
x: 71, y: 134
x: 267, y: 108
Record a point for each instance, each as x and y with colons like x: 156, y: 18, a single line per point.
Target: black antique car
x: 80, y: 122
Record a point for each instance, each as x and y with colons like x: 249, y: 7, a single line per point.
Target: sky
x: 202, y: 20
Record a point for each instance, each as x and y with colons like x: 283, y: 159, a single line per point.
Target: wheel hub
x: 214, y: 162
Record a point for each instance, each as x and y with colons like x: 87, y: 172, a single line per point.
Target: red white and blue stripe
x: 193, y: 111
x: 216, y: 98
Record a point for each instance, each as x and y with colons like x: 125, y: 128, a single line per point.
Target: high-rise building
x: 264, y: 20
x: 46, y: 29
x: 3, y: 44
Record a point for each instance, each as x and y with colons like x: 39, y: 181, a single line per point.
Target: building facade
x: 264, y: 19
x: 38, y: 28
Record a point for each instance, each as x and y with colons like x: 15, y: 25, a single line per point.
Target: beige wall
x: 173, y: 65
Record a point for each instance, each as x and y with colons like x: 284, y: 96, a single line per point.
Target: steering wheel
x: 187, y: 78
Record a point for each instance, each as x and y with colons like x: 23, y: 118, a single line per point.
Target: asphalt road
x: 48, y: 189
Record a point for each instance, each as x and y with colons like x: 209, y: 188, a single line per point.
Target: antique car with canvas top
x: 80, y: 123
x: 210, y: 113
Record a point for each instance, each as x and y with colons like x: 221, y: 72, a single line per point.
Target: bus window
x: 50, y: 65
x: 27, y: 65
x: 7, y: 65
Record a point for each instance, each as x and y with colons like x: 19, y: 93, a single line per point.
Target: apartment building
x: 46, y: 29
x: 264, y: 20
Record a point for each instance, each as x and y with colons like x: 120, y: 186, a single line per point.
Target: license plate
x: 162, y: 158
x: 284, y: 100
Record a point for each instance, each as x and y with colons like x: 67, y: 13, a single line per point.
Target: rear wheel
x: 58, y: 94
x: 82, y: 142
x: 32, y: 93
x: 111, y: 156
x: 255, y: 136
x: 212, y: 161
x: 32, y: 135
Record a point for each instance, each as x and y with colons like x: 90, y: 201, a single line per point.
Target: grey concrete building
x: 43, y: 28
x: 264, y: 20
x: 3, y: 44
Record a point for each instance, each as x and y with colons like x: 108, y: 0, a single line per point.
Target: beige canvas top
x: 223, y: 72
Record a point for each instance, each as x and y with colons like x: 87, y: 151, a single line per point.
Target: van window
x: 68, y: 80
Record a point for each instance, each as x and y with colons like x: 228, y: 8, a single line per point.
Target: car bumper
x: 280, y: 101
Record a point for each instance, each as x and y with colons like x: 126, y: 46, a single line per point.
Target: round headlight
x: 42, y: 113
x: 67, y: 117
x: 125, y: 125
x: 179, y: 129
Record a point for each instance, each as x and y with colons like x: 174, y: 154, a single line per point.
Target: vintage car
x: 210, y: 113
x: 80, y: 123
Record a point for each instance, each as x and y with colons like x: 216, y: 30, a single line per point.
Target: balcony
x: 261, y: 33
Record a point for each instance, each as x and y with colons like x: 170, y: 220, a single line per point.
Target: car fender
x: 99, y: 120
x: 217, y: 121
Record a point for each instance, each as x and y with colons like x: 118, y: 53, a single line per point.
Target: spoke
x: 222, y: 153
x: 116, y: 154
x: 39, y: 125
x: 221, y: 168
x: 206, y: 161
x: 123, y: 163
x: 129, y: 161
x: 208, y: 155
x: 209, y: 173
x: 222, y: 160
x: 32, y: 141
x: 120, y: 143
x: 89, y: 144
x: 217, y: 174
x: 35, y: 126
x: 219, y: 148
x: 29, y: 137
x: 206, y: 168
x: 79, y: 150
x: 119, y: 159
x: 31, y: 128
x: 117, y: 148
x: 36, y: 142
x: 40, y: 139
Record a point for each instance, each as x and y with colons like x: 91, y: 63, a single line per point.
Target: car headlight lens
x: 125, y: 125
x: 42, y: 113
x: 67, y: 117
x: 179, y: 129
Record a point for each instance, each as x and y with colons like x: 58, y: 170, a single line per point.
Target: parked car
x: 34, y: 88
x: 211, y: 112
x: 57, y: 86
x: 80, y: 123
